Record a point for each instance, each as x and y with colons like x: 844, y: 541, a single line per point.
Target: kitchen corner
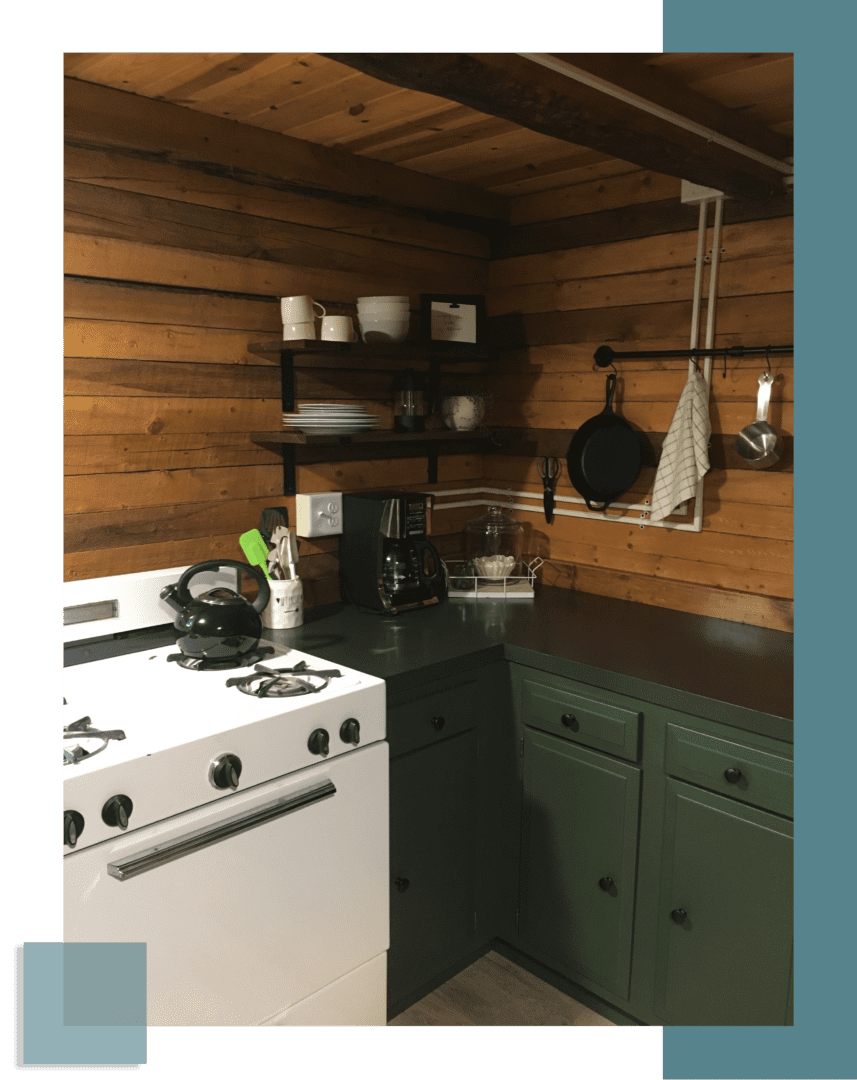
x: 524, y: 689
x: 598, y: 790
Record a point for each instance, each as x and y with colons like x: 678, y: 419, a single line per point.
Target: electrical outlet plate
x: 318, y: 513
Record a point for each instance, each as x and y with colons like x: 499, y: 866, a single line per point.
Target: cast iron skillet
x: 604, y: 455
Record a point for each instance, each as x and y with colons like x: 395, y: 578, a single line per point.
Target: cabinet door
x: 433, y: 816
x: 578, y: 860
x: 728, y: 868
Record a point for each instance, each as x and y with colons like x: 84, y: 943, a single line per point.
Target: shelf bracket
x: 287, y: 373
x: 431, y: 453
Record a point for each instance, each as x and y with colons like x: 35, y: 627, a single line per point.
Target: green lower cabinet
x: 725, y: 913
x: 578, y: 860
x: 433, y: 861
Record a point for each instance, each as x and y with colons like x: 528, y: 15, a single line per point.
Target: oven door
x: 251, y: 904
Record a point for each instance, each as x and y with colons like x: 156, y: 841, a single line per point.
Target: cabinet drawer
x: 741, y: 772
x: 433, y: 717
x: 580, y: 718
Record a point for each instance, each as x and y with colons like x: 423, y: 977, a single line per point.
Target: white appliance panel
x: 357, y: 999
x: 136, y: 597
x: 239, y: 931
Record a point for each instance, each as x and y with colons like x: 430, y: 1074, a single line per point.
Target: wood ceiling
x: 379, y: 106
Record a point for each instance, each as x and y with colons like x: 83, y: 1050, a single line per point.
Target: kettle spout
x: 168, y: 593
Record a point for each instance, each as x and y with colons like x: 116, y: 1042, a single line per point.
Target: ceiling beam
x: 509, y: 86
x: 635, y: 76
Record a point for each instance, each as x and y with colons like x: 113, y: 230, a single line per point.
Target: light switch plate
x: 318, y: 513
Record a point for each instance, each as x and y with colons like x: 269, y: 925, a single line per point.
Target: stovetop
x: 173, y: 731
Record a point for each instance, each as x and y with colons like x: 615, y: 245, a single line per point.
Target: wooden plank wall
x: 182, y: 230
x: 611, y: 261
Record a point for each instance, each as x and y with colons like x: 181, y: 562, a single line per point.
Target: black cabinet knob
x: 350, y: 731
x: 678, y: 915
x: 402, y: 883
x: 437, y: 722
x: 72, y: 823
x: 225, y: 771
x: 319, y: 742
x: 570, y: 721
x: 116, y: 811
x: 606, y: 883
x: 733, y: 775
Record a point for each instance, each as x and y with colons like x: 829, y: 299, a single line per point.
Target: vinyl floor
x: 496, y: 992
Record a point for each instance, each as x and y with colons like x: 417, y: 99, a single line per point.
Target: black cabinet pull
x: 678, y: 916
x: 402, y: 883
x: 437, y: 722
x: 570, y: 721
x: 606, y: 883
x: 733, y: 775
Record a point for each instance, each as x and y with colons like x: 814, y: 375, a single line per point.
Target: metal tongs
x: 284, y: 554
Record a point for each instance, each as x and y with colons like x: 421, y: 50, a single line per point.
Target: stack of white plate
x: 331, y: 418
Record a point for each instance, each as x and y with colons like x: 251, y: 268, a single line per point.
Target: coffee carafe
x: 386, y: 562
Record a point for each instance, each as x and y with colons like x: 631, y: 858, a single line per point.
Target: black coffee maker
x: 386, y: 564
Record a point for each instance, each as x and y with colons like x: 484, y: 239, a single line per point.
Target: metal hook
x: 768, y: 358
x: 600, y: 367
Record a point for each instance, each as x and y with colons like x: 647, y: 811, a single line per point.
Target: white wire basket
x: 465, y: 582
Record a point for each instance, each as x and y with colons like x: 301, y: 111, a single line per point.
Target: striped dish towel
x: 684, y: 458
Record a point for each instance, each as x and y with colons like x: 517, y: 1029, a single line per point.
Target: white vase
x: 464, y: 412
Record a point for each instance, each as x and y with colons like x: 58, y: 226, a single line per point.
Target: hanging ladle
x: 758, y: 444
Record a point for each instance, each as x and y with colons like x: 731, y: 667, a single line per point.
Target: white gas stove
x: 236, y: 821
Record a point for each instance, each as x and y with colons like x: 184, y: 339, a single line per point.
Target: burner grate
x: 284, y: 682
x: 202, y: 663
x: 83, y: 729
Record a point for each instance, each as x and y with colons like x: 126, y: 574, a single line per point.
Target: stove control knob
x: 319, y: 742
x: 72, y: 826
x: 225, y: 771
x: 116, y: 811
x: 350, y: 732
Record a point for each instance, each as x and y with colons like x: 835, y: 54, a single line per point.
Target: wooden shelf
x: 435, y: 353
x: 443, y: 352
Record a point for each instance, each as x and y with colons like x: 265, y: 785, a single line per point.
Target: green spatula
x: 254, y: 547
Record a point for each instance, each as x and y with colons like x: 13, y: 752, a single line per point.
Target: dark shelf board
x: 442, y: 352
x: 296, y: 438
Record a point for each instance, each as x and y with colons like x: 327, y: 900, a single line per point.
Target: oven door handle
x: 152, y: 857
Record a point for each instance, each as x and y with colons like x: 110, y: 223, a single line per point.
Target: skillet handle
x: 589, y: 505
x: 611, y: 388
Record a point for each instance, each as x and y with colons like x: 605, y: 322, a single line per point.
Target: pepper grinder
x: 409, y: 401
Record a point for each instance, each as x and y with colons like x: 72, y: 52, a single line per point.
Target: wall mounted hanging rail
x: 604, y: 355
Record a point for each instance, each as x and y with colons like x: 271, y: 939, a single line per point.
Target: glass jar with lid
x: 493, y: 543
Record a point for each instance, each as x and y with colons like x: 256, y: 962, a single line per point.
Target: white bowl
x: 377, y: 322
x: 383, y: 311
x: 383, y: 299
x: 384, y: 330
x: 495, y: 566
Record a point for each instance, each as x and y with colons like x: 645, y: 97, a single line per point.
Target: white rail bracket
x: 696, y: 193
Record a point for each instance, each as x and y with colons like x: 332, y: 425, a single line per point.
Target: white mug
x: 338, y: 328
x: 299, y: 309
x: 285, y: 607
x: 299, y: 331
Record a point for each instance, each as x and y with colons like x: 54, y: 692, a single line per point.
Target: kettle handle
x: 182, y: 593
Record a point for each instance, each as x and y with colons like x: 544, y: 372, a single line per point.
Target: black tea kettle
x: 219, y: 624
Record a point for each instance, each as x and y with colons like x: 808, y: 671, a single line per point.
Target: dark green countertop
x: 724, y: 671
